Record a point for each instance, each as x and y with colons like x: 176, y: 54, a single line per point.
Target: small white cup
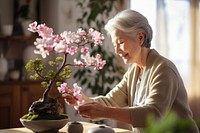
x: 14, y: 74
x: 7, y: 29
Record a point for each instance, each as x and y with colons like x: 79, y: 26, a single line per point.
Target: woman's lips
x: 124, y: 56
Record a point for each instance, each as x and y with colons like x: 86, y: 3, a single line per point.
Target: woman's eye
x: 121, y: 45
x: 119, y: 41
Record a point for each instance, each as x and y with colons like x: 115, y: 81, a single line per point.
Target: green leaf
x: 50, y: 74
x: 60, y: 59
x: 35, y: 76
x: 52, y: 63
x: 44, y: 84
x: 58, y: 83
x: 32, y: 116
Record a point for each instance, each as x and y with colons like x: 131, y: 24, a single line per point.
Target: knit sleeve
x: 117, y: 96
x: 163, y: 87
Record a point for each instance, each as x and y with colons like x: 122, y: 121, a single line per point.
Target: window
x: 170, y: 20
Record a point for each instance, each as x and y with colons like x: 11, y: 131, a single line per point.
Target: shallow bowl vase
x: 44, y: 126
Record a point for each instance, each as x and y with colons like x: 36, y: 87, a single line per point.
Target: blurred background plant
x: 94, y: 14
x: 24, y: 10
x: 169, y: 124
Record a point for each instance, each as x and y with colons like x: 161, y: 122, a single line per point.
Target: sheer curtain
x: 195, y: 58
x: 176, y: 36
x: 161, y: 28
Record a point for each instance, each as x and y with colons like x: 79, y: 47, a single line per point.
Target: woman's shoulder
x: 156, y: 60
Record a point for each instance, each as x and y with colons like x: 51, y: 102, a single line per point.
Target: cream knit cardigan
x: 165, y: 91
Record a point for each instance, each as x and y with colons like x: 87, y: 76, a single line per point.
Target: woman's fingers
x: 91, y: 110
x: 70, y: 99
x: 84, y: 110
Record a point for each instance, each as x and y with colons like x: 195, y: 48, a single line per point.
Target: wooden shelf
x: 16, y: 97
x: 19, y: 82
x: 7, y: 42
x: 18, y: 38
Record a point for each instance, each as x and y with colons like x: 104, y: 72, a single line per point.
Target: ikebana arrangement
x: 57, y: 71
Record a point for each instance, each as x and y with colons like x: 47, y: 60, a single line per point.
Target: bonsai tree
x: 58, y: 70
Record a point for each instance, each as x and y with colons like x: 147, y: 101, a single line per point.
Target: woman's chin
x: 125, y: 61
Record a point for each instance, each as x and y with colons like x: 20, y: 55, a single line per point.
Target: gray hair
x: 131, y: 22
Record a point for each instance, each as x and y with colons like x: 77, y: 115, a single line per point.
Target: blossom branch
x: 62, y: 95
x: 68, y: 43
x: 45, y: 95
x: 38, y: 73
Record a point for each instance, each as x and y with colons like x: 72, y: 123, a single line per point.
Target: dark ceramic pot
x: 74, y: 127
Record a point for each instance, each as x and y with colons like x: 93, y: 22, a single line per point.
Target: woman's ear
x: 140, y: 38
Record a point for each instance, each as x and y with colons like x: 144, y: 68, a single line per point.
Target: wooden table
x: 86, y: 126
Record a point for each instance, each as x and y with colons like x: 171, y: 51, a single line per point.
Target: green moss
x: 32, y: 116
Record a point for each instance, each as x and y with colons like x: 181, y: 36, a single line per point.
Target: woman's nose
x: 117, y: 49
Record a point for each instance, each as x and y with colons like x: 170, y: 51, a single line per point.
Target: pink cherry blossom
x: 40, y: 48
x: 43, y: 46
x: 99, y: 62
x: 76, y: 92
x: 67, y: 37
x: 72, y: 50
x: 81, y: 32
x: 96, y: 36
x: 33, y: 27
x: 84, y: 49
x: 88, y: 59
x: 44, y: 31
x: 78, y: 62
x: 69, y: 43
x: 61, y: 47
x: 62, y: 88
x: 70, y: 37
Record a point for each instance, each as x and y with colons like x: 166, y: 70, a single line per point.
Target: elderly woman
x: 151, y: 85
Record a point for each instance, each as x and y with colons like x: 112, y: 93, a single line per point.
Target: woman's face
x: 128, y: 49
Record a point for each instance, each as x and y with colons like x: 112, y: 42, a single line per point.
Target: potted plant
x: 58, y: 71
x: 24, y: 10
x: 24, y: 13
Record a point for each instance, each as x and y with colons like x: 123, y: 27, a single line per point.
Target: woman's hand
x: 70, y: 99
x: 92, y: 110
